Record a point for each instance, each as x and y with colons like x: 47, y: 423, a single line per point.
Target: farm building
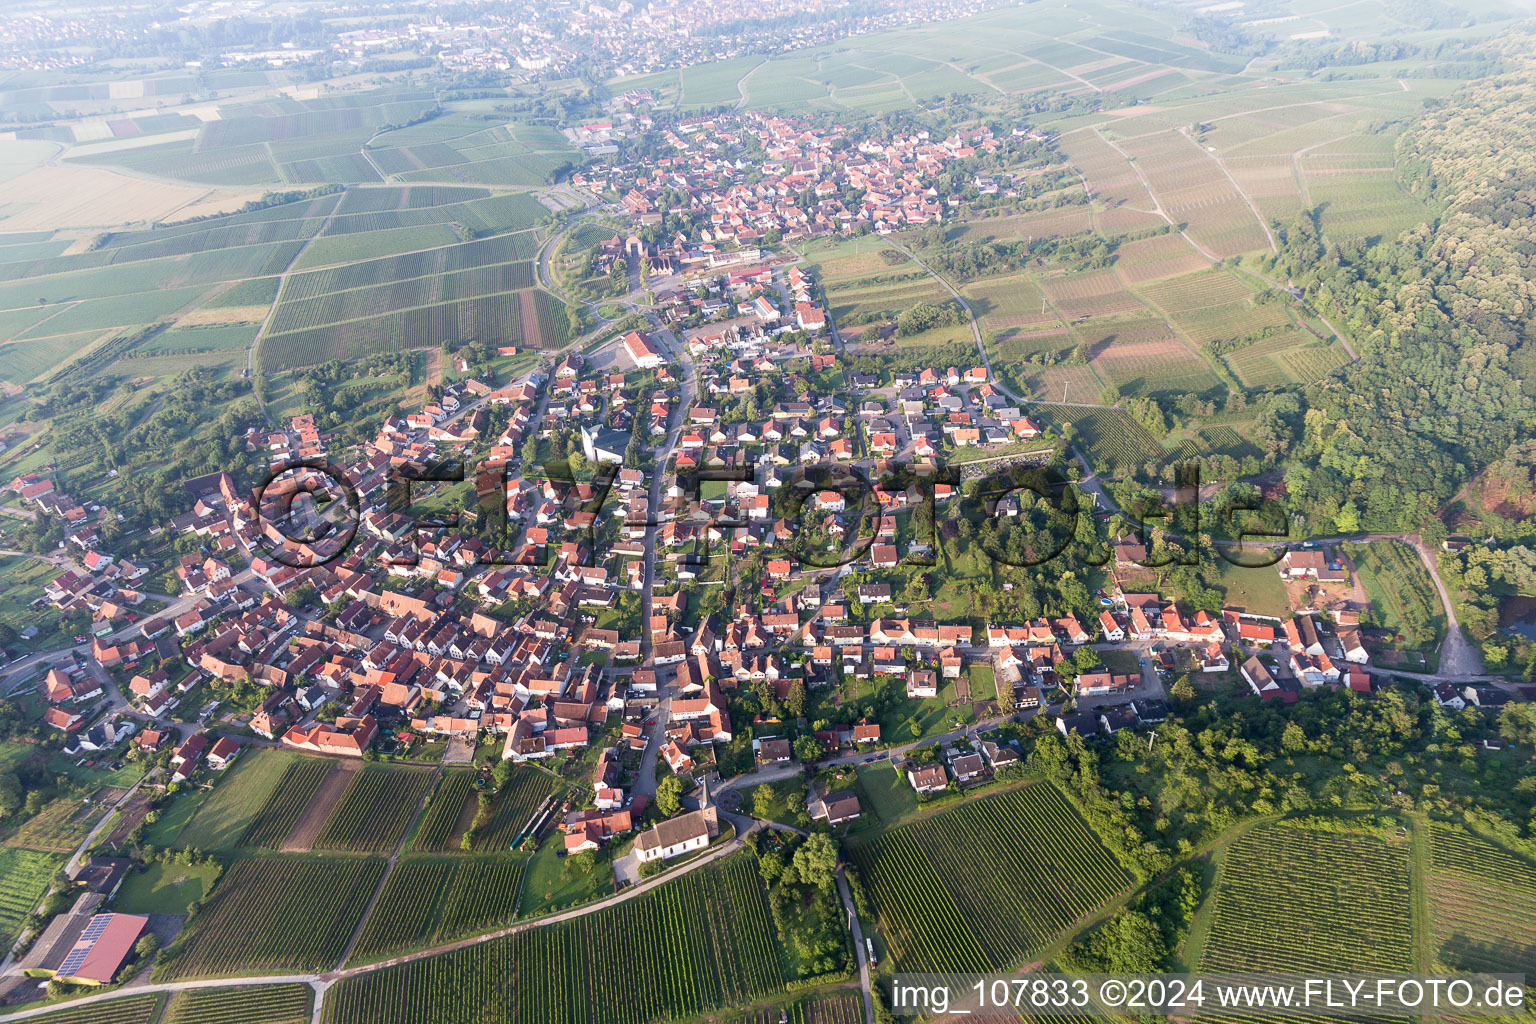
x: 101, y: 949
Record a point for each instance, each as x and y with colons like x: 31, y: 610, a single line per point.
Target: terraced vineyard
x: 274, y: 914
x: 375, y: 811
x: 1482, y: 902
x: 255, y: 1004
x: 425, y: 902
x: 283, y: 809
x: 1312, y: 900
x: 940, y: 912
x: 701, y: 943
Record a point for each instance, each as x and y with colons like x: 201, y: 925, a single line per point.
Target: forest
x: 1440, y: 316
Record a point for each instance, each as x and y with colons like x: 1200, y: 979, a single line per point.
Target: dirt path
x: 302, y: 838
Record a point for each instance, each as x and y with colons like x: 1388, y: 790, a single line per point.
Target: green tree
x: 1183, y: 689
x: 794, y: 701
x: 762, y: 801
x: 669, y: 796
x: 816, y: 861
x: 1517, y: 723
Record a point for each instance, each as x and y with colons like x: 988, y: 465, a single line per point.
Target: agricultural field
x: 127, y: 1010
x: 296, y: 142
x: 1194, y: 190
x: 1482, y: 903
x: 287, y: 802
x: 164, y: 888
x: 715, y: 83
x: 1213, y: 306
x: 528, y: 317
x: 440, y: 822
x: 331, y: 250
x: 1151, y: 259
x: 472, y: 148
x: 1403, y: 597
x: 24, y: 876
x: 1362, y: 203
x: 226, y: 815
x: 1063, y: 382
x: 425, y: 902
x: 701, y: 943
x: 375, y: 810
x: 1216, y: 440
x: 1270, y: 182
x: 1314, y: 900
x: 512, y: 809
x: 254, y: 1004
x: 215, y: 273
x: 1111, y: 438
x: 883, y: 293
x: 1154, y: 366
x: 1109, y: 175
x: 58, y: 827
x: 1091, y: 293
x: 838, y: 1008
x: 1067, y: 221
x: 1284, y: 358
x: 1010, y: 307
x: 938, y: 912
x: 246, y: 927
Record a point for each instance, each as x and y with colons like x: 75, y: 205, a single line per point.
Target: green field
x: 286, y: 802
x: 1482, y: 901
x: 547, y: 887
x: 127, y: 1010
x: 887, y: 791
x: 272, y: 915
x: 164, y: 888
x: 229, y: 810
x: 425, y: 902
x: 21, y: 582
x: 513, y: 807
x: 1315, y: 899
x: 1403, y: 597
x: 253, y: 1004
x: 24, y: 876
x: 58, y: 828
x: 375, y: 810
x: 439, y: 822
x: 702, y: 943
x: 1110, y: 437
x: 1259, y: 591
x: 939, y: 912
